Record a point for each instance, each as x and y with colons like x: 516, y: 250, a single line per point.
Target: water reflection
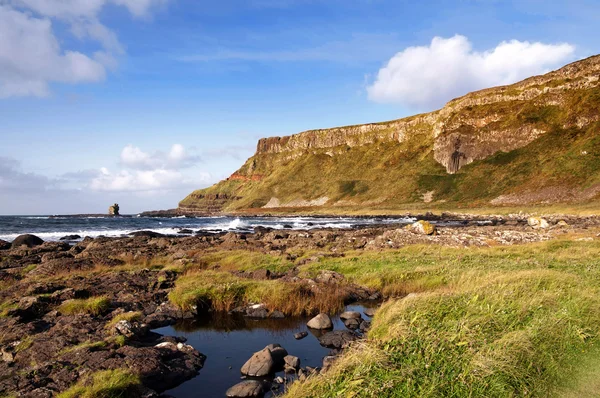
x: 229, y: 340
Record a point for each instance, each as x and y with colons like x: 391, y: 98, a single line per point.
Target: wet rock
x: 300, y: 335
x: 364, y: 326
x: 352, y: 323
x: 276, y: 315
x: 370, y: 312
x: 292, y: 362
x: 146, y: 234
x: 278, y: 353
x: 257, y: 311
x: 337, y: 339
x: 260, y: 364
x: 246, y: 389
x: 27, y: 240
x: 423, y: 227
x: 185, y: 231
x: 70, y: 237
x: 321, y: 321
x: 4, y: 245
x: 350, y: 315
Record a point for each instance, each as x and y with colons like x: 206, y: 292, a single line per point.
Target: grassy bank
x: 494, y: 322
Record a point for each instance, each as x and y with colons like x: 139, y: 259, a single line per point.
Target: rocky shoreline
x: 70, y: 310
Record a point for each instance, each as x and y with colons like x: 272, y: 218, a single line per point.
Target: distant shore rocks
x: 26, y: 240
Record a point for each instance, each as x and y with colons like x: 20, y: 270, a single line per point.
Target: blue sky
x: 141, y: 101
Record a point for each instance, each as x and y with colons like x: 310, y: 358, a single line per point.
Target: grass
x: 493, y: 322
x: 223, y: 291
x: 92, y: 306
x: 93, y: 345
x: 115, y: 383
x: 131, y: 316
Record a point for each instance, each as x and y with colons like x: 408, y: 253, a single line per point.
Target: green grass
x: 93, y: 345
x: 92, y: 306
x: 104, y: 384
x: 493, y: 322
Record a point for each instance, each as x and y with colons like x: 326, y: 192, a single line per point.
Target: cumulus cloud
x: 144, y: 180
x: 149, y: 172
x: 429, y: 76
x: 176, y: 158
x: 31, y: 56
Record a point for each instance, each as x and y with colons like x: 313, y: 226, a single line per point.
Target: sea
x: 53, y: 228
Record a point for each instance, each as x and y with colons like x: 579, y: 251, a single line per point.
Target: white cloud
x: 429, y: 76
x: 144, y: 180
x: 150, y: 172
x: 176, y: 158
x: 30, y: 54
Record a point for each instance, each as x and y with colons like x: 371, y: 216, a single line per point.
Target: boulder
x: 4, y: 245
x: 247, y: 388
x: 260, y: 364
x: 423, y: 227
x: 26, y: 240
x: 350, y: 315
x: 321, y: 321
x: 562, y: 224
x: 352, y: 323
x: 300, y: 335
x: 261, y: 274
x: 114, y: 210
x: 292, y: 362
x: 337, y: 339
x: 278, y: 353
x: 364, y: 326
x: 538, y: 222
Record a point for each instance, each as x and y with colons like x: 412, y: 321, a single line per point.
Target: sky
x: 140, y: 102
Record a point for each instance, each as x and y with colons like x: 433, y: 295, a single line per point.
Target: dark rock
x: 337, y: 339
x: 370, y: 312
x: 70, y: 237
x: 258, y: 312
x: 4, y: 245
x: 288, y: 226
x: 352, y: 323
x: 321, y: 321
x: 26, y: 240
x: 130, y: 330
x: 185, y: 231
x: 278, y: 353
x: 364, y: 326
x: 300, y: 335
x: 276, y: 315
x: 147, y: 234
x: 247, y: 388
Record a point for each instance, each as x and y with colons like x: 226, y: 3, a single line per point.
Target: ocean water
x: 52, y: 228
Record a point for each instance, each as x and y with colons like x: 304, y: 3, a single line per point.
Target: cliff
x: 531, y: 142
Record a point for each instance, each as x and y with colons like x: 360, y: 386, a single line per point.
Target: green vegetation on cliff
x: 530, y: 143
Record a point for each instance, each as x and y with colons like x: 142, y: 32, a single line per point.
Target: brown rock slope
x: 536, y: 141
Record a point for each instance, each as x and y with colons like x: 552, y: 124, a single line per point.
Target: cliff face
x: 467, y: 130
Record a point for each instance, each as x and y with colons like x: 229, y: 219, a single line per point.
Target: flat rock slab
x: 350, y: 315
x: 260, y: 364
x: 248, y: 388
x: 337, y: 339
